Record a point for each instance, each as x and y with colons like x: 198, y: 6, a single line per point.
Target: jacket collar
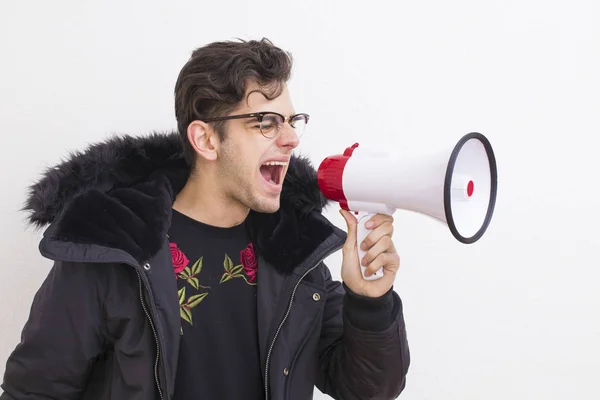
x: 119, y: 194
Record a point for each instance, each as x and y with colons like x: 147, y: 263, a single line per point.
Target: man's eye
x: 266, y: 125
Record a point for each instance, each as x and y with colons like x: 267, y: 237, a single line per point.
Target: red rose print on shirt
x: 180, y: 261
x: 248, y: 259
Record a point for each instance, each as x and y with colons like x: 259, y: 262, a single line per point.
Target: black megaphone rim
x: 493, y: 187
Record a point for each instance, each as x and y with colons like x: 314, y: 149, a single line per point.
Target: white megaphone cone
x: 456, y: 186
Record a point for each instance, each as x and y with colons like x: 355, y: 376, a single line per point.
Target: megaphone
x: 456, y: 185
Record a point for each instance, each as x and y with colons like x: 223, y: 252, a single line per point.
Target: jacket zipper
x: 153, y: 332
x: 287, y: 313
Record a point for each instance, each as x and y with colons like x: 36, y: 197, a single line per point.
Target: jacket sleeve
x: 61, y: 338
x: 363, y: 351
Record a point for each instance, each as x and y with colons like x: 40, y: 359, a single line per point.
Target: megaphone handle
x: 361, y: 234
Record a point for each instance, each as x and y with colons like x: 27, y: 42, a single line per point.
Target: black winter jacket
x: 105, y: 323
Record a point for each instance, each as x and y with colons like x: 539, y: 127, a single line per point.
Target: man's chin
x: 267, y: 206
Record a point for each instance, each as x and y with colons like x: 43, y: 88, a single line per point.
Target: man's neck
x: 202, y: 201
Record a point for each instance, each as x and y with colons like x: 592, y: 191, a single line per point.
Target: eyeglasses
x: 270, y: 123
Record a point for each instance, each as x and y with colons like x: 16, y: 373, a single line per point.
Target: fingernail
x: 369, y: 224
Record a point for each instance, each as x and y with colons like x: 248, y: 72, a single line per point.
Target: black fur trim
x: 119, y: 193
x: 120, y: 161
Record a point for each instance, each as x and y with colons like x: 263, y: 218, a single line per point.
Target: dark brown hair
x: 214, y: 80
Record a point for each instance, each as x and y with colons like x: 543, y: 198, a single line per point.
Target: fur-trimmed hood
x: 118, y: 194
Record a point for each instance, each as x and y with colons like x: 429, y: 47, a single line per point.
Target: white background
x: 514, y: 316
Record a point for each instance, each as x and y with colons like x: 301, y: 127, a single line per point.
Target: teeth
x: 275, y: 163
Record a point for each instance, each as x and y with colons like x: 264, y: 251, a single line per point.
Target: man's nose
x: 288, y: 137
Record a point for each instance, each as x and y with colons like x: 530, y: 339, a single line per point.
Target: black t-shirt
x: 216, y: 277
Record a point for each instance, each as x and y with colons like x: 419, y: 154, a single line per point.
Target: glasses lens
x: 299, y: 124
x: 270, y: 125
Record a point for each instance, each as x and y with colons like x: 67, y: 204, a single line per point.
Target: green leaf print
x: 231, y: 271
x: 196, y: 299
x: 237, y: 270
x: 190, y: 275
x: 227, y: 264
x: 228, y: 267
x: 194, y: 282
x: 197, y: 267
x: 185, y: 309
x: 186, y: 314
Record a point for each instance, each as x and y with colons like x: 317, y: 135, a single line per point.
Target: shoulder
x: 85, y: 279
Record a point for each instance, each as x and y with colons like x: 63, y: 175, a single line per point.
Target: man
x: 190, y: 265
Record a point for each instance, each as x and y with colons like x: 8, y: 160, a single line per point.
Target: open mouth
x: 272, y: 171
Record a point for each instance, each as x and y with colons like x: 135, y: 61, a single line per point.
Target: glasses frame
x: 259, y: 116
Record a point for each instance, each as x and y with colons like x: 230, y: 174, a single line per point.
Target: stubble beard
x: 241, y: 186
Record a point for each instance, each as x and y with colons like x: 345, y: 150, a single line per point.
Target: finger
x: 377, y: 220
x: 385, y: 229
x: 383, y: 245
x: 390, y: 262
x: 351, y: 223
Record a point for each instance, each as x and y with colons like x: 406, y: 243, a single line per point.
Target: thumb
x: 352, y: 223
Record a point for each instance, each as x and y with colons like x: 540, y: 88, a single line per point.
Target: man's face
x: 251, y: 168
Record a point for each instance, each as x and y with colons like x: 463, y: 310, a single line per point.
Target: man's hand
x: 380, y: 252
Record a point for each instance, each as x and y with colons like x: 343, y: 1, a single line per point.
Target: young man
x: 190, y: 265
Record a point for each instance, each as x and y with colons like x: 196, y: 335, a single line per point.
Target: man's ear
x: 203, y: 139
